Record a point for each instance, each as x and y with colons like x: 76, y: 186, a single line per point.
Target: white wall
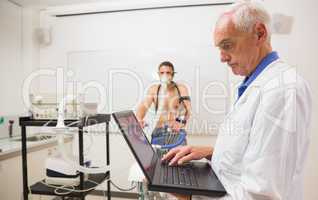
x: 11, y: 71
x: 10, y: 58
x: 19, y: 56
x: 30, y: 44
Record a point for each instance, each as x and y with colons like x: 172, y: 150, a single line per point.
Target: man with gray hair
x: 262, y: 144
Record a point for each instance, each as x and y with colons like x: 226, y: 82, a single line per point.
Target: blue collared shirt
x: 271, y: 57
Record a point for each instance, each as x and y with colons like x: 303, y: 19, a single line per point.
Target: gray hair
x: 245, y: 14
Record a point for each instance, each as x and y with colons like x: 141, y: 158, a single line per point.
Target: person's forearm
x: 188, y: 111
x: 141, y: 112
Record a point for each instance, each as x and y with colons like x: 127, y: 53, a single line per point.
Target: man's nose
x: 225, y: 57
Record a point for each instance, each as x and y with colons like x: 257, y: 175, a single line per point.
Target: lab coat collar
x: 266, y: 61
x: 258, y: 83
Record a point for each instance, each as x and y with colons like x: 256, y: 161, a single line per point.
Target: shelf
x: 40, y: 188
x: 85, y: 121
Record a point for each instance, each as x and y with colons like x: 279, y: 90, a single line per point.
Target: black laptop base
x: 201, y: 180
x: 184, y: 191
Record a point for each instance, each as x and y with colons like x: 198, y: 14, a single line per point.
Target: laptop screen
x: 137, y: 140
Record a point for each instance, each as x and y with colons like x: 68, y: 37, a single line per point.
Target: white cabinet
x: 11, y: 173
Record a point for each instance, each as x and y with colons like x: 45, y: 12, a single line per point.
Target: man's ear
x: 261, y: 32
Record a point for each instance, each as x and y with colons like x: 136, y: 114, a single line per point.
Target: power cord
x: 30, y: 192
x: 123, y: 189
x: 69, y: 189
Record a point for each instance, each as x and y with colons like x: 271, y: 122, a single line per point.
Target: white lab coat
x: 262, y: 145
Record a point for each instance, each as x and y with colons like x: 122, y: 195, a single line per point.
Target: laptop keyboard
x: 180, y: 175
x: 161, y: 153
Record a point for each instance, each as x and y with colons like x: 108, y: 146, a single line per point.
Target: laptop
x: 193, y: 178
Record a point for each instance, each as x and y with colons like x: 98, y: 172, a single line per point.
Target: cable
x: 56, y: 191
x: 87, y: 149
x: 76, y: 122
x: 162, y: 95
x: 70, y: 190
x: 123, y: 189
x: 44, y: 125
x: 30, y: 191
